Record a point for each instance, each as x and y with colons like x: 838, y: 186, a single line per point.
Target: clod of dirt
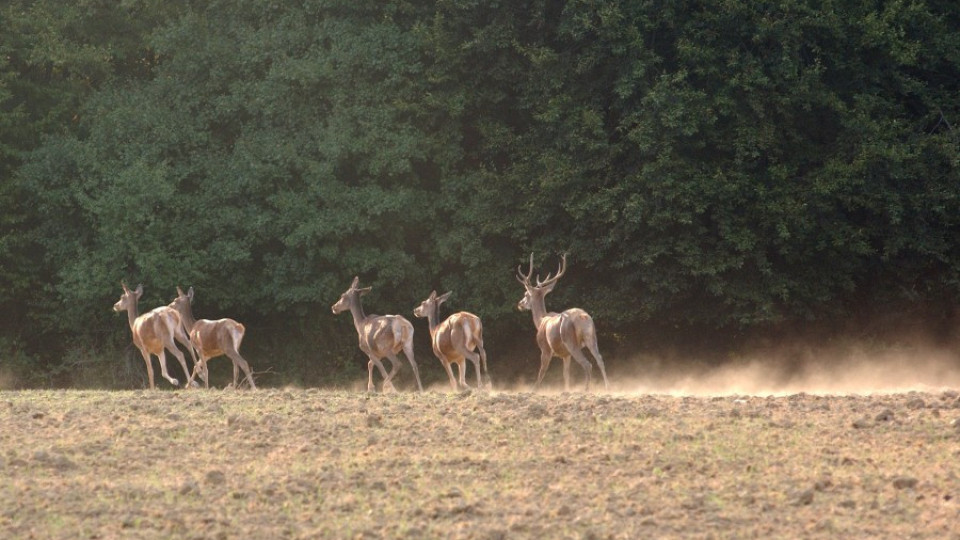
x: 916, y: 403
x: 885, y: 415
x: 188, y: 487
x: 823, y: 484
x: 54, y: 461
x: 803, y: 498
x: 453, y: 493
x: 536, y: 410
x: 216, y: 478
x: 904, y: 482
x: 848, y: 503
x: 374, y: 420
x: 862, y: 423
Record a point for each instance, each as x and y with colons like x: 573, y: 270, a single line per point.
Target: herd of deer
x: 456, y: 339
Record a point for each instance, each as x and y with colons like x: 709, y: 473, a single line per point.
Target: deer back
x: 214, y: 338
x: 561, y: 332
x: 461, y: 329
x: 155, y: 328
x: 384, y: 334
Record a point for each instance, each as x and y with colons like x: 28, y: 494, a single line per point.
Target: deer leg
x: 466, y: 354
x: 453, y: 380
x: 387, y: 385
x: 394, y: 368
x: 239, y: 362
x: 462, y: 371
x: 585, y: 364
x: 370, y: 387
x: 193, y: 375
x: 200, y: 368
x: 146, y: 358
x: 163, y: 368
x: 181, y: 337
x: 596, y: 355
x: 475, y: 359
x: 566, y: 373
x: 408, y: 352
x: 179, y: 355
x: 545, y: 358
x: 483, y: 362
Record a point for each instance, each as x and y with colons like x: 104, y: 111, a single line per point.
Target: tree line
x: 713, y: 168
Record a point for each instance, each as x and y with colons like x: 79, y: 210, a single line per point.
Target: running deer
x: 559, y: 334
x: 455, y: 339
x: 212, y: 339
x: 380, y: 336
x: 155, y: 331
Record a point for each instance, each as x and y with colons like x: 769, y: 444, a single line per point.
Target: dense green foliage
x: 711, y: 164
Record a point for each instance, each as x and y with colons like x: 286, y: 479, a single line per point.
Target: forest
x: 717, y: 171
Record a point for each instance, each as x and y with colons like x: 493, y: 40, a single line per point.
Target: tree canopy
x: 706, y: 164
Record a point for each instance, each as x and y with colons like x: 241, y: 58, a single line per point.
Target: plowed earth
x: 292, y: 463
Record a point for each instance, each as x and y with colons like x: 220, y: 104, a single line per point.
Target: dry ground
x: 293, y: 463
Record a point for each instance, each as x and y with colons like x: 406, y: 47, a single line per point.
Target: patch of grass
x: 301, y: 463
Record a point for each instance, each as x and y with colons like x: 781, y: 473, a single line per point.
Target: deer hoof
x: 174, y: 381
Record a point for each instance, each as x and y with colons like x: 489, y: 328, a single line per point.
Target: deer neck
x: 132, y: 314
x: 186, y: 317
x: 356, y: 310
x: 433, y: 319
x: 539, y: 310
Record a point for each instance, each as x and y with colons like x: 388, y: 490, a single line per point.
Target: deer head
x: 128, y: 300
x: 350, y: 297
x: 183, y: 300
x: 535, y: 293
x: 431, y: 305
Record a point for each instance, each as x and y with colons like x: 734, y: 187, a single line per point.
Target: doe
x: 455, y: 339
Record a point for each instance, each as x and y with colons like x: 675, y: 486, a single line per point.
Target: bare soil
x: 295, y: 463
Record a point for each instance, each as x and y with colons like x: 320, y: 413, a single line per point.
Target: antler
x: 525, y: 279
x: 560, y: 271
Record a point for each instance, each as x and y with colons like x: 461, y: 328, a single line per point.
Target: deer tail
x: 237, y: 333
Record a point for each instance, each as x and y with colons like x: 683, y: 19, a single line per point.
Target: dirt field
x: 293, y: 463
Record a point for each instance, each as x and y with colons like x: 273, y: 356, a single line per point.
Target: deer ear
x: 190, y: 294
x: 364, y: 290
x: 443, y: 298
x: 139, y: 290
x: 433, y: 295
x: 356, y: 281
x: 124, y: 285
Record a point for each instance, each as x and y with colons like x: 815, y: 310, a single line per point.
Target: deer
x: 564, y: 335
x: 455, y: 339
x: 380, y: 336
x: 155, y: 331
x: 212, y: 339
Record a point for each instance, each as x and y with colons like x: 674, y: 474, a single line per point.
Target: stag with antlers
x: 455, y: 339
x: 559, y: 334
x: 155, y: 331
x: 380, y: 336
x: 212, y: 339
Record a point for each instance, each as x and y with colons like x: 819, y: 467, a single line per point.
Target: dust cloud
x: 842, y: 370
